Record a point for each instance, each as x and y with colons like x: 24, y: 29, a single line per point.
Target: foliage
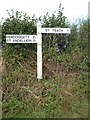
x: 56, y: 20
x: 19, y: 23
x: 62, y: 93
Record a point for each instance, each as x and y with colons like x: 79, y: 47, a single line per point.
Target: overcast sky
x: 72, y: 8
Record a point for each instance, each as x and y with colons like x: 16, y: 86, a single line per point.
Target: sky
x: 72, y: 8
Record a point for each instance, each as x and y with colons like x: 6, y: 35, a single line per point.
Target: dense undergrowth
x: 61, y: 93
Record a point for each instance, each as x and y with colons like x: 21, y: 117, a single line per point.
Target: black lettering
x: 46, y: 30
x: 34, y: 38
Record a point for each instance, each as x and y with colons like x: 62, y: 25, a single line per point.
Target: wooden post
x: 39, y: 51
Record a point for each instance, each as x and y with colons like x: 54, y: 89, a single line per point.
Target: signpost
x: 36, y: 39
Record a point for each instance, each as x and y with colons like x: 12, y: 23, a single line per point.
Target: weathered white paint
x: 39, y: 51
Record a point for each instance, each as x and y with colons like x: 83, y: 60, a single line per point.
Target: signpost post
x: 39, y: 51
x: 36, y: 39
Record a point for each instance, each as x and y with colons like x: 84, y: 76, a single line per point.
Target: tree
x: 56, y: 20
x: 19, y: 23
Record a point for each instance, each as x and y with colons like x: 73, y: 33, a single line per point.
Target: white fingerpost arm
x: 39, y: 51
